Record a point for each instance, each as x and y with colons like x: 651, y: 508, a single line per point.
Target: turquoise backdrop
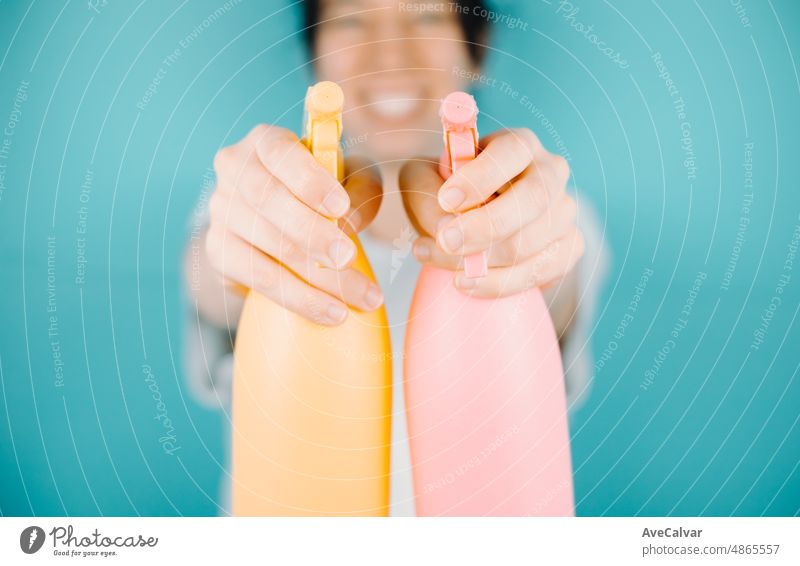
x: 679, y: 120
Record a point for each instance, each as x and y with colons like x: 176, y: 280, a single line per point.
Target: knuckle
x: 499, y: 225
x: 309, y: 307
x: 308, y: 230
x: 284, y: 231
x: 539, y: 198
x: 309, y: 186
x: 213, y: 245
x: 261, y: 196
x: 545, y: 257
x: 312, y: 307
x: 274, y: 152
x: 216, y: 205
x: 358, y: 284
x: 257, y: 234
x: 351, y: 285
x: 579, y: 244
x: 528, y: 139
x: 561, y: 166
x: 266, y: 277
x: 570, y: 209
x: 554, y: 249
x: 223, y: 159
x: 291, y: 254
x: 258, y: 132
x: 512, y: 250
x: 298, y: 225
x: 493, y: 174
x: 269, y: 133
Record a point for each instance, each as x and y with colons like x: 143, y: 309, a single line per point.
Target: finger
x: 289, y: 220
x: 505, y: 156
x: 531, y: 239
x: 235, y: 287
x: 419, y: 182
x: 363, y: 184
x: 534, y: 237
x: 476, y: 230
x: 285, y: 157
x: 238, y: 261
x: 238, y: 167
x: 351, y: 286
x: 551, y: 263
x: 426, y: 251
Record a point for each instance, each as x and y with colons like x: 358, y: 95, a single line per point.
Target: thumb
x: 419, y: 184
x: 363, y: 184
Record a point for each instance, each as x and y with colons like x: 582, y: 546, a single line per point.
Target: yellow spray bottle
x: 311, y: 403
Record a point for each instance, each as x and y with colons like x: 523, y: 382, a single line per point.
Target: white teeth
x: 393, y: 106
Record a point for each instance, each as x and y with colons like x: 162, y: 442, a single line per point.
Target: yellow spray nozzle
x: 323, y: 125
x: 325, y: 100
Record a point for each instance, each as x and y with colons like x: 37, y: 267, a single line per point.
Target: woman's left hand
x: 528, y: 229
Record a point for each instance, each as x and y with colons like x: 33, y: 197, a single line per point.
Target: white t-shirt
x: 396, y: 270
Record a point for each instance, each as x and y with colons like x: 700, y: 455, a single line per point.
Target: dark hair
x: 470, y: 15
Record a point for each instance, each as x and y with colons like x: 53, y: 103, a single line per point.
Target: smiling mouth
x: 394, y: 105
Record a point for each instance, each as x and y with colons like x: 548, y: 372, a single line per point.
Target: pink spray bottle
x: 484, y: 384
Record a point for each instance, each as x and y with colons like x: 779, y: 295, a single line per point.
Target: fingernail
x: 354, y: 220
x: 466, y: 282
x: 453, y: 239
x: 374, y: 297
x: 450, y: 199
x: 336, y: 203
x: 341, y: 251
x: 422, y: 251
x: 336, y: 312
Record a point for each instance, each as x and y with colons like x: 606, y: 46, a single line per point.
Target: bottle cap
x: 459, y: 111
x: 324, y: 100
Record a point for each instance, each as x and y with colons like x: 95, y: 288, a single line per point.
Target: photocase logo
x: 402, y: 247
x: 31, y: 539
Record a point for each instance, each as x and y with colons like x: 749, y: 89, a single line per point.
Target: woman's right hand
x: 270, y: 229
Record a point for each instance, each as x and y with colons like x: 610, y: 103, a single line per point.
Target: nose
x: 393, y: 45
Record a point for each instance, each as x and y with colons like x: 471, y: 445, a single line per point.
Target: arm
x: 216, y: 302
x: 562, y: 300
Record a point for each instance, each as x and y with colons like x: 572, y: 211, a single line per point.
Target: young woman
x: 267, y: 229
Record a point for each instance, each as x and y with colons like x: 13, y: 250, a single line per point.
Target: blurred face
x: 394, y: 61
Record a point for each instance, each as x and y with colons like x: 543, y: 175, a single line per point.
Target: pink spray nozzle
x: 459, y: 111
x: 459, y: 114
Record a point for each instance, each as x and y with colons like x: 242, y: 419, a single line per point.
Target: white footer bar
x: 406, y: 541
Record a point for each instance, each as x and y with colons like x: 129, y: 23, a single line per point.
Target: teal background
x: 714, y: 434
